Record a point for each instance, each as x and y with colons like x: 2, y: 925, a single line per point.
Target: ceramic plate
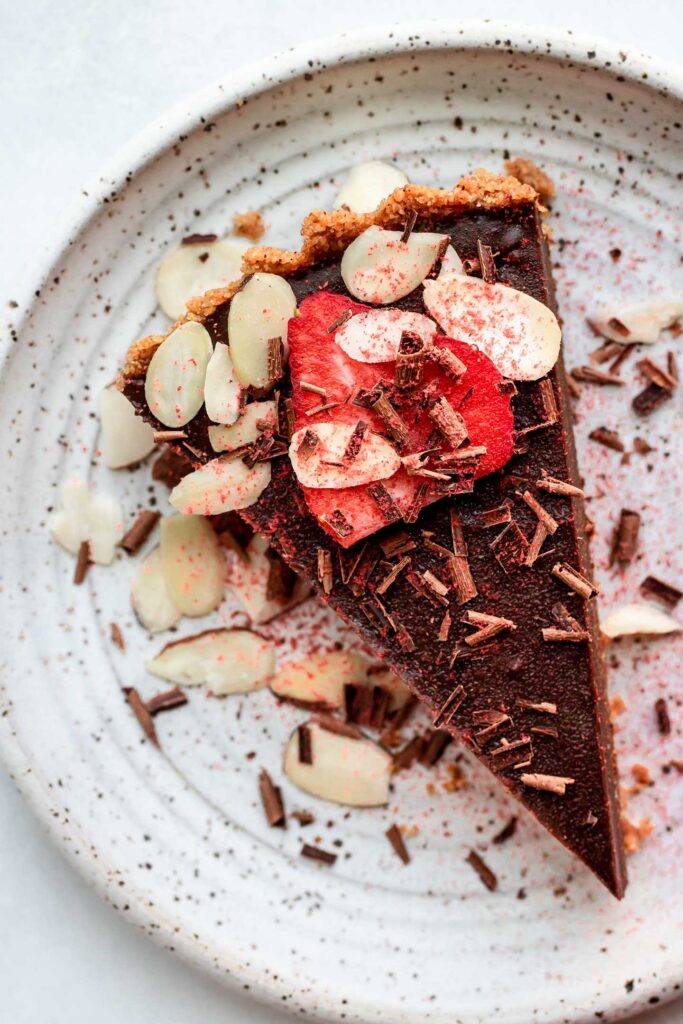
x: 177, y: 840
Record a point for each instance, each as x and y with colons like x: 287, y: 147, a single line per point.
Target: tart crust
x: 326, y: 234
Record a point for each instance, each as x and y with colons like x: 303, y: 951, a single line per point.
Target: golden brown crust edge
x: 326, y: 234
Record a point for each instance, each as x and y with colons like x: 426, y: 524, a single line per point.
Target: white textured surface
x: 79, y: 79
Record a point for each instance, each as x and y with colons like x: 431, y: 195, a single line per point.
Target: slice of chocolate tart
x: 405, y: 440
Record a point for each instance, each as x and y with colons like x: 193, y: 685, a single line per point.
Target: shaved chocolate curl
x: 549, y: 783
x: 141, y: 712
x: 390, y: 418
x: 144, y: 523
x: 271, y: 798
x: 450, y: 423
x: 664, y: 592
x: 325, y: 572
x: 395, y: 837
x: 625, y: 541
x: 410, y: 360
x: 487, y: 876
x: 384, y: 501
x: 574, y: 580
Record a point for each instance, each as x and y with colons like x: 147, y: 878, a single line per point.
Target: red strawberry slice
x: 316, y: 359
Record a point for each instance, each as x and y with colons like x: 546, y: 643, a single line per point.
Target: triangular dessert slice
x: 433, y: 501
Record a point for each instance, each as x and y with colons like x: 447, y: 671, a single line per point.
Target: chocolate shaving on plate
x: 406, y: 757
x: 166, y: 701
x: 610, y: 438
x: 662, y: 714
x: 625, y: 541
x: 117, y: 636
x: 649, y: 400
x: 305, y: 745
x: 271, y: 798
x: 142, y: 714
x: 507, y: 832
x: 483, y: 870
x: 395, y: 837
x: 83, y: 562
x: 144, y: 523
x: 316, y: 853
x: 590, y: 375
x: 660, y: 591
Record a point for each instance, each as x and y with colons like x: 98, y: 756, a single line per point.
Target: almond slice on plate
x: 174, y: 385
x: 193, y: 564
x: 319, y: 680
x: 222, y: 392
x: 379, y: 267
x: 321, y: 462
x: 200, y: 264
x: 225, y: 660
x: 86, y: 516
x: 367, y: 185
x: 249, y: 581
x: 254, y: 419
x: 259, y: 312
x: 636, y: 619
x: 520, y: 335
x: 353, y: 772
x: 638, y: 321
x: 126, y: 438
x: 222, y: 485
x: 374, y: 336
x: 150, y: 597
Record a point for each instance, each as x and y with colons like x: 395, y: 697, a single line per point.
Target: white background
x: 78, y: 77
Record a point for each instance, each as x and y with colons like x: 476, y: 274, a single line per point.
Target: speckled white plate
x: 176, y: 840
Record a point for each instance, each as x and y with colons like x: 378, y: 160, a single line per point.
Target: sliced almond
x: 367, y: 185
x: 126, y: 438
x: 636, y: 322
x: 193, y: 564
x: 248, y: 581
x: 520, y: 335
x: 87, y: 516
x: 222, y: 485
x: 150, y: 597
x: 197, y: 267
x: 222, y: 392
x: 324, y: 466
x: 319, y: 680
x: 638, y: 618
x: 353, y: 772
x: 379, y: 267
x: 255, y: 418
x: 374, y: 336
x: 225, y: 660
x: 450, y: 263
x: 174, y: 385
x: 259, y: 312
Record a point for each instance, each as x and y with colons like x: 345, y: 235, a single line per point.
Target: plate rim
x: 141, y: 150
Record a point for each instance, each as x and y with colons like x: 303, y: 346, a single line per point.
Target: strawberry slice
x: 316, y: 359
